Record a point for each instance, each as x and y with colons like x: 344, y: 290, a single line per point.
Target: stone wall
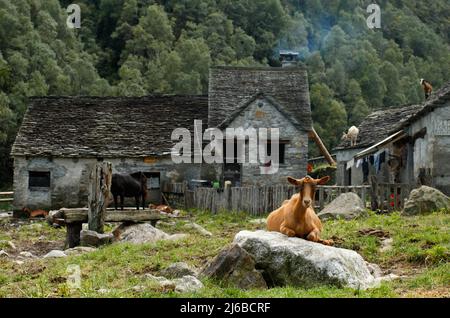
x: 70, y: 177
x: 262, y: 114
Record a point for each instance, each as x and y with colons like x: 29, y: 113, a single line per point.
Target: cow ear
x: 323, y: 180
x: 293, y: 181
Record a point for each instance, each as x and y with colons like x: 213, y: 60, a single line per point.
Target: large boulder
x: 297, y: 262
x: 347, y: 206
x: 425, y: 200
x: 234, y: 266
x: 142, y: 233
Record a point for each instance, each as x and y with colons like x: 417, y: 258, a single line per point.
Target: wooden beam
x: 81, y: 215
x: 99, y: 191
x: 323, y: 150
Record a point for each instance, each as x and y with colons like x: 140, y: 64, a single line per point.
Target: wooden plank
x: 7, y: 193
x: 81, y: 215
x: 7, y: 200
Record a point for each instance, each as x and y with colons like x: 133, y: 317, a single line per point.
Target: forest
x: 141, y: 47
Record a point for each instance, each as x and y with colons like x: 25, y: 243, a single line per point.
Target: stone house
x: 409, y: 144
x: 61, y: 138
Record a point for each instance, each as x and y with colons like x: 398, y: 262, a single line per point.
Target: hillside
x: 139, y: 47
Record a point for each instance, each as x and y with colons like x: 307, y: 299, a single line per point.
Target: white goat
x: 351, y: 135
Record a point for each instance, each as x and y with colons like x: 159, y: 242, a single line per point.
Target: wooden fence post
x: 99, y: 193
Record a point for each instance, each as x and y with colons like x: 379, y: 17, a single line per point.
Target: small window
x: 38, y: 179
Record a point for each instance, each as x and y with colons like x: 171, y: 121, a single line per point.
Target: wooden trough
x: 74, y: 219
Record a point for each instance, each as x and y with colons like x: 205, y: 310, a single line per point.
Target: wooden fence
x: 261, y: 200
x: 6, y: 197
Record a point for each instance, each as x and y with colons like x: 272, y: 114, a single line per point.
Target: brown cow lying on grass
x: 296, y: 217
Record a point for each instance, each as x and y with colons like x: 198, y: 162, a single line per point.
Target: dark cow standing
x: 129, y: 185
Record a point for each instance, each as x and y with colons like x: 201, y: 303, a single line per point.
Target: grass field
x: 420, y: 252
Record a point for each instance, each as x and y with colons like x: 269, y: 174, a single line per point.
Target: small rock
x: 201, y: 230
x: 103, y: 291
x: 187, y: 284
x: 5, y: 215
x: 26, y: 254
x: 79, y: 250
x: 162, y: 282
x: 374, y: 269
x: 18, y: 262
x: 262, y: 221
x: 142, y: 233
x: 3, y: 254
x: 92, y: 238
x: 178, y: 270
x: 55, y: 254
x: 235, y: 266
x: 178, y: 236
x: 35, y: 226
x: 386, y: 245
x: 138, y: 288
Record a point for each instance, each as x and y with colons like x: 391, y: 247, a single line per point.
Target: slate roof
x: 378, y: 125
x: 106, y: 126
x: 229, y: 87
x: 383, y: 123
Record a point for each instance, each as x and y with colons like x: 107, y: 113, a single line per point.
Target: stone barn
x: 61, y: 138
x: 409, y: 144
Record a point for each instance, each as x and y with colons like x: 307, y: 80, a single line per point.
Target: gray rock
x: 236, y: 267
x: 3, y: 254
x: 178, y: 270
x: 262, y: 221
x: 297, y: 262
x: 55, y: 254
x: 5, y: 215
x: 386, y: 245
x: 26, y: 254
x: 92, y: 238
x: 161, y: 282
x: 79, y: 250
x: 187, y: 284
x: 347, y: 206
x: 201, y: 230
x: 374, y: 269
x: 142, y: 233
x: 425, y: 200
x: 178, y: 236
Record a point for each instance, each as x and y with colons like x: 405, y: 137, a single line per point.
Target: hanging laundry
x: 365, y: 169
x: 376, y: 162
x: 358, y: 163
x: 350, y: 163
